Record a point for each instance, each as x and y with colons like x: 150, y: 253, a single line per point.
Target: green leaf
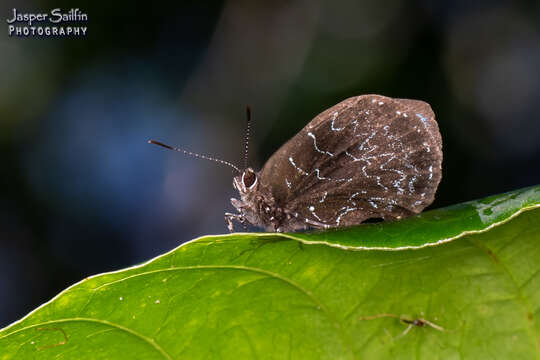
x: 433, y: 227
x: 294, y: 296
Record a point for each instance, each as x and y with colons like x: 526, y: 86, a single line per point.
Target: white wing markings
x: 310, y: 134
x: 332, y: 127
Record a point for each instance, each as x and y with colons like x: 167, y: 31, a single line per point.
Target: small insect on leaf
x: 419, y: 322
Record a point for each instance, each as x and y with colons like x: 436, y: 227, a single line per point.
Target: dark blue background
x: 83, y: 193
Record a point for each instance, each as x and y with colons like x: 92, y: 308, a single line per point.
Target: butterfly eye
x: 249, y: 178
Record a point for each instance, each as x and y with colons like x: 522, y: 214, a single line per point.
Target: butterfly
x: 369, y: 156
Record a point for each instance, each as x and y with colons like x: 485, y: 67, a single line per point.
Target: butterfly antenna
x: 246, y: 141
x: 194, y: 154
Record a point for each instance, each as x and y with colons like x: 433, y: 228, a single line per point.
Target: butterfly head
x: 256, y: 205
x: 246, y: 182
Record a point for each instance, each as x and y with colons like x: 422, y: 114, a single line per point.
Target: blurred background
x: 81, y: 190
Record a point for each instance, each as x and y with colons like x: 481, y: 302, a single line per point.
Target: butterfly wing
x: 369, y: 156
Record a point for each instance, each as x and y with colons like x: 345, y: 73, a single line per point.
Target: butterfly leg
x: 229, y: 217
x: 229, y: 220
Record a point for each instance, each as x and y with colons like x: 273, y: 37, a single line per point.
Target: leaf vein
x: 146, y: 339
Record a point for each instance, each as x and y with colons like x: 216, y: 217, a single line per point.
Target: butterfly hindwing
x: 367, y: 157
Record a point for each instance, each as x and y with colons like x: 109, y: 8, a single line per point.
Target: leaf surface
x: 293, y: 296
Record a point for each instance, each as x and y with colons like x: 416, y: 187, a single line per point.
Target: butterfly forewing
x: 367, y: 157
